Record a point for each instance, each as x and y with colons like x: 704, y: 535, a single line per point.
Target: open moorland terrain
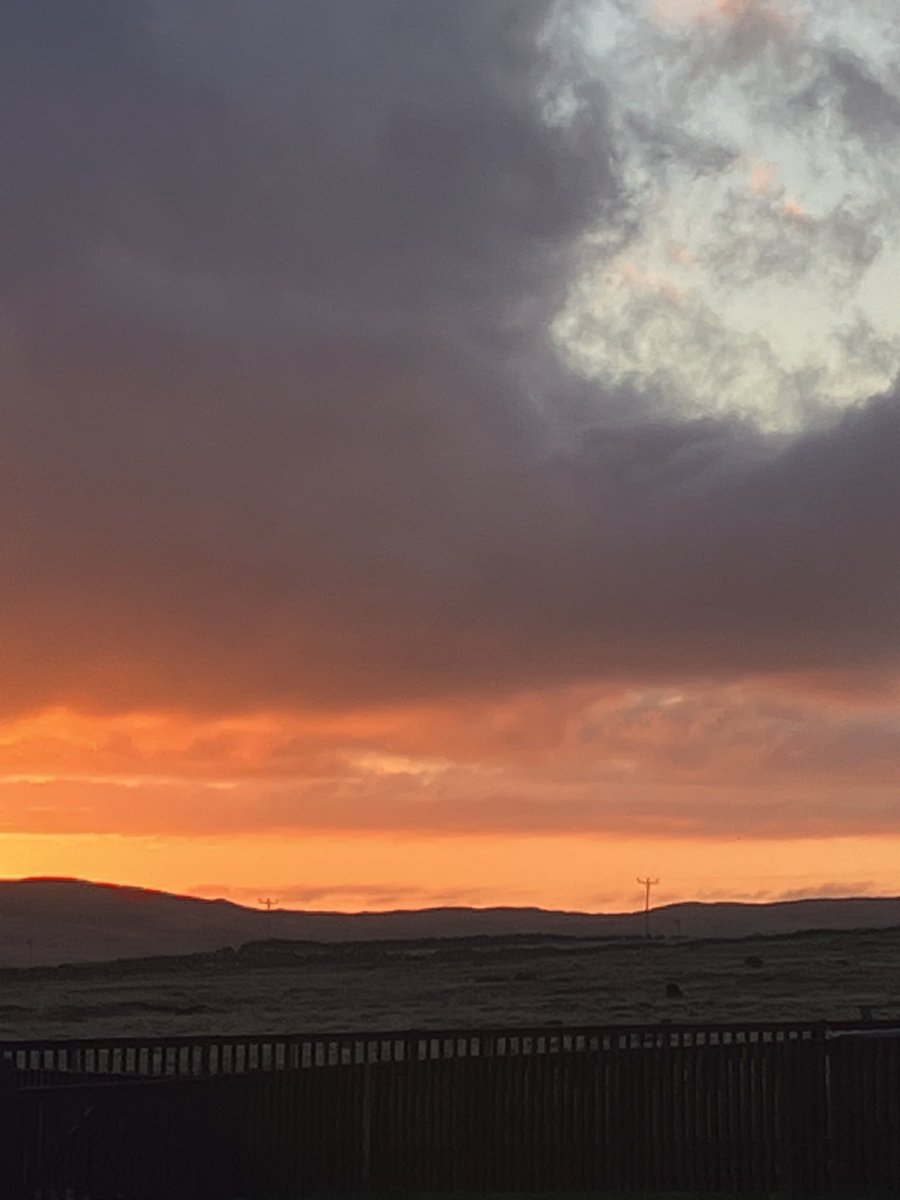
x: 303, y: 987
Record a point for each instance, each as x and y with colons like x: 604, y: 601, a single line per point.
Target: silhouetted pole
x: 268, y: 904
x: 647, y: 884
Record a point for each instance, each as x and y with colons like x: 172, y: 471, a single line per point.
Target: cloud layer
x: 687, y: 764
x: 284, y: 422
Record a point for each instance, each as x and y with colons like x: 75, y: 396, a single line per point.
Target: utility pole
x: 268, y: 904
x: 647, y: 884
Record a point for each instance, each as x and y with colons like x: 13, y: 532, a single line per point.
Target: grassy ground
x: 827, y: 976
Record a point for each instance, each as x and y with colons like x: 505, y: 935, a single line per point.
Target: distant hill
x: 45, y: 922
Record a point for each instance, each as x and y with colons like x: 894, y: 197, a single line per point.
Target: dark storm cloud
x: 281, y: 419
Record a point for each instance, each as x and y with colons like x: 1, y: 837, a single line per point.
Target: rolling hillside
x: 45, y: 922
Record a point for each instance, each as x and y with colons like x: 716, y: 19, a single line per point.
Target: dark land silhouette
x: 110, y: 961
x: 48, y: 922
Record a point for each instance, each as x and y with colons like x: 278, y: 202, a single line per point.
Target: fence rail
x: 797, y: 1109
x: 199, y: 1056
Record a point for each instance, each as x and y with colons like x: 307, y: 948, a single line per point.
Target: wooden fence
x: 213, y: 1055
x: 804, y: 1110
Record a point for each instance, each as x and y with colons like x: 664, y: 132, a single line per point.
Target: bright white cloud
x: 755, y: 135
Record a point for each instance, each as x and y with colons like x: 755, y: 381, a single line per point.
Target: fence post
x: 804, y: 1127
x: 11, y: 1148
x: 365, y: 1147
x: 826, y: 1108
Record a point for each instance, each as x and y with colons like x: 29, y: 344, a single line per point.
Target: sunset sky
x: 451, y: 448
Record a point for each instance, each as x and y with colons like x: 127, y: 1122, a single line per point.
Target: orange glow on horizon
x: 551, y: 799
x: 350, y: 873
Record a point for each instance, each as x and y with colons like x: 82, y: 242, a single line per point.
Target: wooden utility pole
x: 647, y: 884
x: 268, y: 904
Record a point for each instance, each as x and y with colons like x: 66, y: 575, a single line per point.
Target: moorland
x: 281, y: 986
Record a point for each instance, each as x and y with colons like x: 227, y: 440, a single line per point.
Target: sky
x: 450, y: 451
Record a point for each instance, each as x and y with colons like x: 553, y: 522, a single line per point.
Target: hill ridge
x: 50, y: 920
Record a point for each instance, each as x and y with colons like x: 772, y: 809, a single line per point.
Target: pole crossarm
x: 647, y: 884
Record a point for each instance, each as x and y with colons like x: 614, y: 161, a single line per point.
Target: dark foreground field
x: 283, y: 987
